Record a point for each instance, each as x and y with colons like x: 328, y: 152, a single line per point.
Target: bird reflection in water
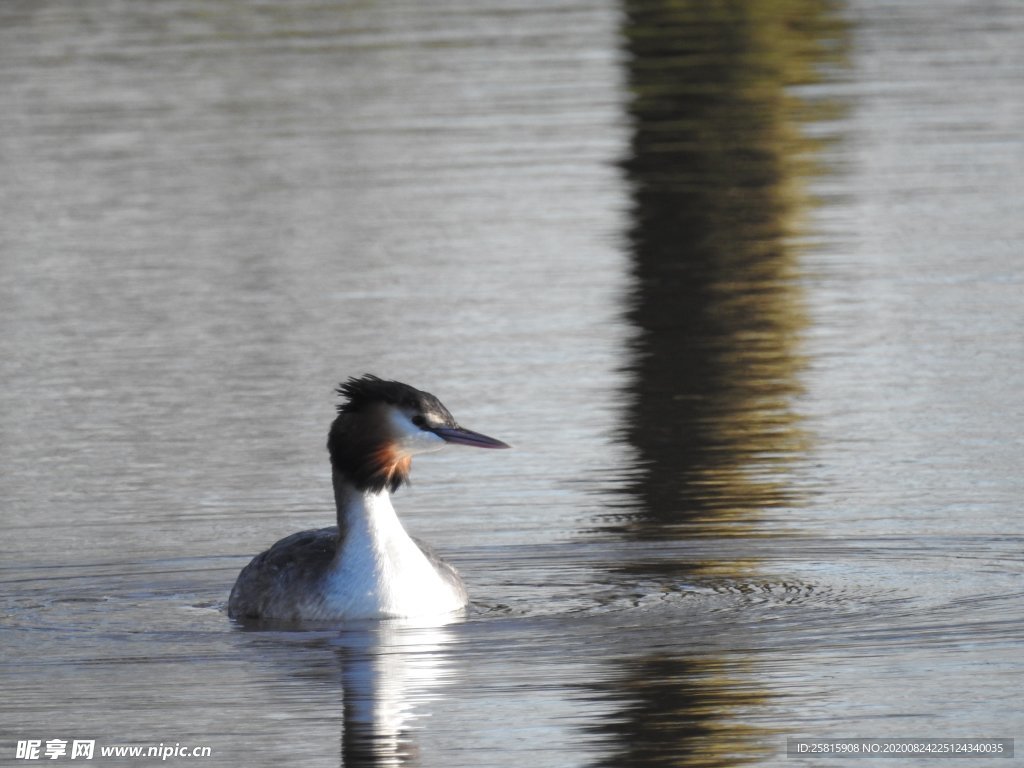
x: 389, y: 670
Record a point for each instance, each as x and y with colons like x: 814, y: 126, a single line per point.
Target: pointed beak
x: 466, y: 437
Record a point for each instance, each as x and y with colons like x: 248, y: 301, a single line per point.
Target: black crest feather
x: 359, y: 391
x: 369, y: 389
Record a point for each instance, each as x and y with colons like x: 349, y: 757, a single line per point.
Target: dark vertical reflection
x: 684, y: 712
x: 718, y: 154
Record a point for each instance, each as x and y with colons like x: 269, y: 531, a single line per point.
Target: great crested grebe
x: 367, y: 566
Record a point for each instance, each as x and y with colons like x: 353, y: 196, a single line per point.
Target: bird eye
x: 419, y: 420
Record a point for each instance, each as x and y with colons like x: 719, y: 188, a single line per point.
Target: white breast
x: 380, y: 571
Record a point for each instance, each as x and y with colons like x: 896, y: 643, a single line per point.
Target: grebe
x: 367, y: 566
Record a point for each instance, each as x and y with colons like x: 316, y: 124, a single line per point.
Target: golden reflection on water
x: 686, y: 711
x: 716, y: 172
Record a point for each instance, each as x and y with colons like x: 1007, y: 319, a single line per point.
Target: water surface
x: 740, y: 284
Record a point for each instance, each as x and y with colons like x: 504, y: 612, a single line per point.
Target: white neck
x: 379, y: 570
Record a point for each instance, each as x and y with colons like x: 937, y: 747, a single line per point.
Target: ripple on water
x: 847, y: 596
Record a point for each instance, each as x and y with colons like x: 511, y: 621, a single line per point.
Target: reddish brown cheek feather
x: 401, y: 467
x: 392, y: 464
